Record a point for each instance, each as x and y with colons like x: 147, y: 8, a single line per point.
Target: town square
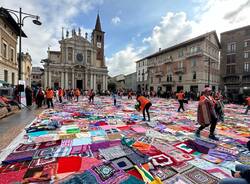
x: 116, y: 92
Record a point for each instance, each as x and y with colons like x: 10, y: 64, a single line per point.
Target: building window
x: 70, y: 53
x: 231, y: 47
x: 180, y: 78
x: 180, y: 53
x: 11, y: 54
x: 246, y: 43
x: 245, y: 55
x: 6, y: 75
x: 170, y: 78
x: 193, y: 64
x: 231, y: 69
x: 231, y: 58
x: 13, y: 78
x: 151, y: 79
x: 88, y: 57
x: 4, y: 51
x: 180, y: 64
x: 246, y: 67
x: 159, y: 79
x: 194, y: 75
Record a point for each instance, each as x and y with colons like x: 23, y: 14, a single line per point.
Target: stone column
x: 73, y: 79
x: 106, y: 82
x: 45, y: 79
x: 94, y: 82
x: 86, y: 81
x: 66, y: 80
x: 49, y: 78
x: 91, y: 81
x: 103, y: 83
x: 62, y: 80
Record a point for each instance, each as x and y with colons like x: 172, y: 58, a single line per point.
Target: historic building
x: 190, y: 65
x: 26, y: 68
x: 235, y: 62
x: 142, y: 74
x: 80, y: 63
x: 9, y: 31
x: 37, y: 76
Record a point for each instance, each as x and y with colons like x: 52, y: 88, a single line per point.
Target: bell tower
x: 98, y: 41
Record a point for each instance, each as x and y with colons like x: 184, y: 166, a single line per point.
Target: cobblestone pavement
x: 12, y: 125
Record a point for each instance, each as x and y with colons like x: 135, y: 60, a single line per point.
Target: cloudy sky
x: 134, y: 28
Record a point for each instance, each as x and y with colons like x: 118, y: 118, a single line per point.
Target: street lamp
x: 20, y: 21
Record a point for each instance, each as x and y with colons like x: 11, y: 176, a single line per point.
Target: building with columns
x: 80, y: 63
x: 26, y: 68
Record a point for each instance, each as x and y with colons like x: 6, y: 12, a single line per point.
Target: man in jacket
x: 206, y: 114
x: 49, y: 97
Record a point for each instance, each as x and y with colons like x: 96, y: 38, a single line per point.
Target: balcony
x: 192, y: 54
x: 180, y: 70
x: 158, y: 73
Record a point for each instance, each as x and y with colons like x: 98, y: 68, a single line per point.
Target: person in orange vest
x: 180, y: 96
x: 49, y: 97
x: 60, y: 94
x: 206, y: 114
x: 248, y: 104
x: 77, y: 94
x: 144, y: 105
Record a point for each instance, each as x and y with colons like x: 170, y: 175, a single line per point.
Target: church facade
x: 80, y: 63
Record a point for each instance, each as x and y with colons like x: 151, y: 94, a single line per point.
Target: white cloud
x: 123, y: 61
x: 116, y: 20
x: 54, y: 15
x: 173, y: 28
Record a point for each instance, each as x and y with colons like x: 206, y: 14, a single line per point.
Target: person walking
x: 180, y: 96
x: 114, y: 97
x: 49, y: 97
x: 77, y: 94
x: 206, y: 114
x: 28, y: 94
x: 248, y: 104
x: 91, y: 96
x: 60, y: 94
x: 144, y: 105
x: 40, y: 97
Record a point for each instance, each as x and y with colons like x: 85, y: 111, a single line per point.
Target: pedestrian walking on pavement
x: 91, y: 95
x: 180, y: 96
x: 40, y: 97
x: 206, y: 114
x: 28, y: 94
x: 49, y: 96
x: 144, y: 105
x: 60, y: 94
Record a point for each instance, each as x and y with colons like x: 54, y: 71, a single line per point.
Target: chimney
x: 159, y: 49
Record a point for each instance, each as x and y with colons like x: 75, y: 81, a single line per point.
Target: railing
x: 180, y: 70
x: 196, y: 53
x: 158, y: 73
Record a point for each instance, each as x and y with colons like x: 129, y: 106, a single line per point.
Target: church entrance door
x: 79, y: 84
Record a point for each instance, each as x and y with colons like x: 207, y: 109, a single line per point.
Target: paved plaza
x: 102, y: 143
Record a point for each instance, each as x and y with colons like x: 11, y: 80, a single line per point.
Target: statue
x: 79, y: 32
x: 67, y: 34
x: 86, y: 36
